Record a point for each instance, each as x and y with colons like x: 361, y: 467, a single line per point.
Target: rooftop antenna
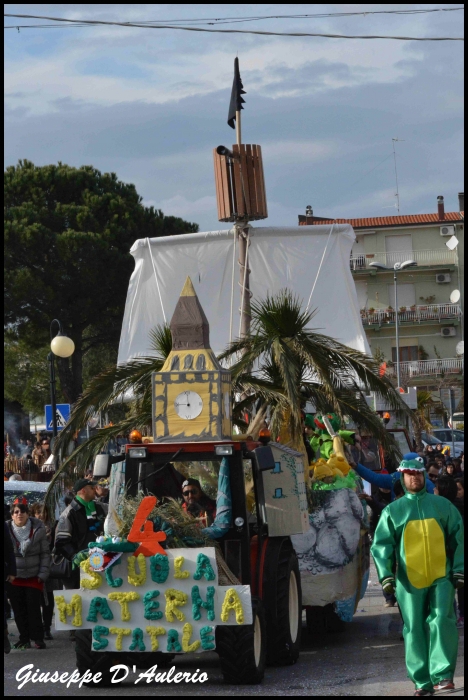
x: 397, y: 195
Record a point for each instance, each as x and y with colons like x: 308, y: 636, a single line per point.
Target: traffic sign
x: 62, y: 413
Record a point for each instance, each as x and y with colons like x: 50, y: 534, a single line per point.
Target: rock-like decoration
x: 334, y: 533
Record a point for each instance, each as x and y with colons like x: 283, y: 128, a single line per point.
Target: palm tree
x: 292, y: 364
x: 421, y: 421
x: 132, y: 382
x: 295, y: 364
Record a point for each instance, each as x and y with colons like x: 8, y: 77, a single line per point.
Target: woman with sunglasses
x: 32, y: 555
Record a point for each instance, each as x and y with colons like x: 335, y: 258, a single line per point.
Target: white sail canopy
x: 312, y: 261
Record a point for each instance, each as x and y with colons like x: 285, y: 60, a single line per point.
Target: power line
x: 256, y: 18
x: 227, y: 31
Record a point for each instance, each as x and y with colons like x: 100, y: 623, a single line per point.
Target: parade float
x: 286, y: 535
x: 160, y: 584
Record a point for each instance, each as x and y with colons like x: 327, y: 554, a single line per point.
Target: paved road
x: 366, y: 659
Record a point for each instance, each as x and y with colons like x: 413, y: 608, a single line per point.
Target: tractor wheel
x: 323, y: 619
x: 94, y: 661
x: 283, y: 603
x: 102, y: 661
x: 242, y: 649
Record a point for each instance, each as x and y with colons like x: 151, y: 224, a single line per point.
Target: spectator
x: 81, y: 522
x: 32, y: 555
x: 9, y: 573
x: 440, y: 463
x: 38, y: 455
x: 15, y: 477
x: 457, y: 465
x: 450, y: 488
x: 22, y: 448
x: 449, y: 470
x: 45, y: 447
x: 68, y: 498
x: 47, y: 601
x: 445, y: 486
x: 379, y: 499
x: 460, y: 482
x: 89, y: 475
x: 198, y: 503
x: 102, y: 491
x: 432, y: 472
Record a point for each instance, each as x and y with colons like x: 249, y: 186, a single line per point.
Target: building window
x: 408, y: 353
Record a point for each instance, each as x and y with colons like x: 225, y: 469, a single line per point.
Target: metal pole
x: 53, y: 402
x: 451, y: 421
x: 397, y: 330
x: 244, y: 283
x: 238, y: 128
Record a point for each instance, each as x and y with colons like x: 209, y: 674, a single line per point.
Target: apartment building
x: 430, y: 294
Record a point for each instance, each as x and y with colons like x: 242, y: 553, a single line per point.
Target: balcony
x: 426, y: 368
x: 423, y: 258
x: 438, y: 313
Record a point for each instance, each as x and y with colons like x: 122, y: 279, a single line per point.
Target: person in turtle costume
x: 423, y: 535
x: 320, y: 439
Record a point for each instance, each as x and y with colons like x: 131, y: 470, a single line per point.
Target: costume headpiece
x: 414, y: 465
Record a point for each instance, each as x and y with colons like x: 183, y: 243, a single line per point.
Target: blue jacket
x: 386, y: 481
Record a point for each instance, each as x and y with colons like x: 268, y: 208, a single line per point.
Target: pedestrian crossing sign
x: 62, y: 413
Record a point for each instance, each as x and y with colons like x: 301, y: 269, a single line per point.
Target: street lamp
x: 62, y: 346
x: 396, y: 268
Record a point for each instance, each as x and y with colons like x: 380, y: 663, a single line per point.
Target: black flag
x: 237, y: 100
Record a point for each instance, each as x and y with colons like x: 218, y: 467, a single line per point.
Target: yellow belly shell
x: 424, y: 552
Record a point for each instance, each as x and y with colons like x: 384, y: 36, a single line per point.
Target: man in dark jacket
x: 9, y: 574
x: 80, y: 523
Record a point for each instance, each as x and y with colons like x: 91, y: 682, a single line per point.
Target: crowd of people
x: 39, y: 551
x: 29, y: 454
x: 35, y: 545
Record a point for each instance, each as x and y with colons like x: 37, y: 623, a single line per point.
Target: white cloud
x: 150, y: 105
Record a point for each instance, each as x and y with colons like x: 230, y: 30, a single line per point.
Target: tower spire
x: 189, y: 326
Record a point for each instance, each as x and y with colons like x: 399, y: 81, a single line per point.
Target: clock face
x: 188, y: 405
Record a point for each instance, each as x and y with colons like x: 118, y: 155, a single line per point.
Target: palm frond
x: 111, y: 386
x: 298, y: 362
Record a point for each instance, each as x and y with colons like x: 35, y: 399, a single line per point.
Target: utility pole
x: 240, y: 196
x: 397, y: 195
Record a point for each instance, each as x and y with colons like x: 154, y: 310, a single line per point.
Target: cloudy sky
x: 151, y: 104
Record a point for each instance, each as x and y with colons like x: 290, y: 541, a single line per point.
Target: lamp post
x: 62, y: 346
x: 396, y: 268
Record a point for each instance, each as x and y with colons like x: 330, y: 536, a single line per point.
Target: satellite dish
x: 455, y: 296
x: 460, y: 349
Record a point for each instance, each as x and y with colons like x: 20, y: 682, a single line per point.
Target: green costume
x: 321, y: 440
x: 422, y: 535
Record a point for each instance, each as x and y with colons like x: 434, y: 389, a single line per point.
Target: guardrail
x: 412, y: 314
x: 421, y: 368
x: 424, y: 258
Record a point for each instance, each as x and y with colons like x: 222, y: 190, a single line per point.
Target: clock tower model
x: 192, y: 392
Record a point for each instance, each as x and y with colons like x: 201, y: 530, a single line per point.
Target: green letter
x: 198, y: 603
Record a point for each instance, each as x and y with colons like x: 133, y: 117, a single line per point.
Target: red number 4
x: 142, y: 530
